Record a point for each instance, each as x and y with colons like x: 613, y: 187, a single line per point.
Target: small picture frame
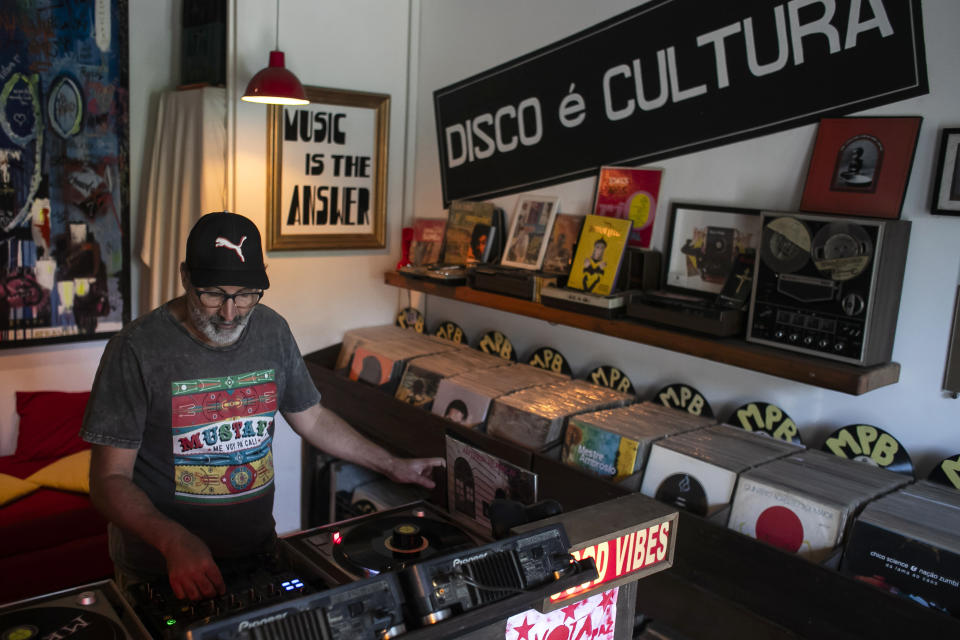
x: 529, y: 231
x: 946, y: 188
x: 861, y: 166
x: 704, y: 245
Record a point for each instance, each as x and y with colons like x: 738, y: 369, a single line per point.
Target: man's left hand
x: 415, y: 470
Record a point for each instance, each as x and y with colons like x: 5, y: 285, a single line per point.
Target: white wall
x: 459, y: 38
x: 154, y: 68
x: 362, y: 46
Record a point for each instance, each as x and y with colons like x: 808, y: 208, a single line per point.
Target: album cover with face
x: 475, y: 478
x: 461, y: 404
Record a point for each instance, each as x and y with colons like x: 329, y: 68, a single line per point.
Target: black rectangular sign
x: 671, y: 77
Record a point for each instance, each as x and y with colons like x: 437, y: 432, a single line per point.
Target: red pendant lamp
x: 275, y: 84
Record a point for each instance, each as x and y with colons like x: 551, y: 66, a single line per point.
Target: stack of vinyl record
x: 418, y: 386
x: 908, y: 543
x: 804, y: 503
x: 355, y: 337
x: 615, y: 443
x: 466, y: 398
x: 697, y: 470
x: 381, y: 362
x: 535, y: 418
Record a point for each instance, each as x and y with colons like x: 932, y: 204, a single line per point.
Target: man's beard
x: 212, y: 327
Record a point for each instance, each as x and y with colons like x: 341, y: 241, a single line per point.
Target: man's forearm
x: 332, y: 434
x: 127, y: 506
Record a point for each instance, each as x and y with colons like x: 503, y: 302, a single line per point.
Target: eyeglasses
x: 216, y: 299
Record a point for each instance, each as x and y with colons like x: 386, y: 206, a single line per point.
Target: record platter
x: 382, y: 541
x: 93, y: 611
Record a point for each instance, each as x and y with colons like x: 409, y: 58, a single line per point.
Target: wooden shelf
x: 817, y: 372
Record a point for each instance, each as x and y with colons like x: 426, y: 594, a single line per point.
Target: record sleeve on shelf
x: 467, y: 231
x: 355, y: 337
x: 423, y: 374
x: 535, y: 418
x: 381, y: 363
x: 615, y: 443
x: 906, y: 543
x: 697, y: 470
x: 804, y: 503
x: 475, y: 478
x: 630, y: 194
x: 529, y: 231
x: 426, y: 245
x: 600, y: 251
x: 466, y: 398
x: 562, y: 243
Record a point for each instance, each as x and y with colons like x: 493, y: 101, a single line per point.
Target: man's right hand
x: 193, y: 573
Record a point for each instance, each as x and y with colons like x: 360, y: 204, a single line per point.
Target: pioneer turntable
x: 93, y: 611
x: 378, y: 542
x: 829, y: 285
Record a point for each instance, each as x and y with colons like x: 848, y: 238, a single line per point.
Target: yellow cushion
x: 12, y: 488
x: 71, y: 473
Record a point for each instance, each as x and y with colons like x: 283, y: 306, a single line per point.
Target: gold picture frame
x: 327, y: 171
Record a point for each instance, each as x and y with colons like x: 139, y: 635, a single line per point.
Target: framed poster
x: 529, y: 231
x: 705, y: 243
x: 860, y: 166
x: 327, y: 172
x: 946, y: 188
x: 64, y: 172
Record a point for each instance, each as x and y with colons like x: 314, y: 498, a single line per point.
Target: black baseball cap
x: 224, y: 249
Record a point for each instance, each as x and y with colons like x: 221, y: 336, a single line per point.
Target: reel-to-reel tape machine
x: 829, y: 285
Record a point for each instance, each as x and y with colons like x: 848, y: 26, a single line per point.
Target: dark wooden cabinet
x: 722, y: 584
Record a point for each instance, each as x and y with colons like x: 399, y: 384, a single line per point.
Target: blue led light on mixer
x: 290, y: 585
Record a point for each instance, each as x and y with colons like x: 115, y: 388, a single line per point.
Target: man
x: 181, y: 419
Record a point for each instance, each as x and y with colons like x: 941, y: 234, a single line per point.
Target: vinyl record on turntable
x: 58, y: 622
x: 870, y: 445
x: 841, y: 250
x: 389, y: 543
x: 785, y: 244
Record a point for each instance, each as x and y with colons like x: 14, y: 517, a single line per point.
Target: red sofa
x: 52, y: 537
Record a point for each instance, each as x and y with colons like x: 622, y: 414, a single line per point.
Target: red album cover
x: 630, y: 194
x: 427, y: 241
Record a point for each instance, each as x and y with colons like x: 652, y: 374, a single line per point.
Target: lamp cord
x: 277, y: 29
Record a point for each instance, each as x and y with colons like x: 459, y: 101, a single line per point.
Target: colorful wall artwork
x: 64, y: 171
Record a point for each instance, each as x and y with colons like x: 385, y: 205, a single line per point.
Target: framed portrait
x: 529, y: 231
x: 861, y: 166
x: 946, y: 188
x: 327, y: 172
x: 64, y: 172
x: 704, y: 244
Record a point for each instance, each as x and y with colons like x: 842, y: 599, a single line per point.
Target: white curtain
x: 187, y: 179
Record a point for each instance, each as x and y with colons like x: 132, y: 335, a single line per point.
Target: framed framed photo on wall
x: 529, y: 231
x: 704, y: 244
x: 861, y: 166
x: 327, y: 172
x: 946, y: 188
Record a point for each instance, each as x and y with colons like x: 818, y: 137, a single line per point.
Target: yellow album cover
x: 600, y: 250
